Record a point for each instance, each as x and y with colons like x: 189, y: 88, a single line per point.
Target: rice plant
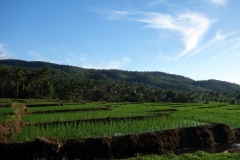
x: 103, y: 128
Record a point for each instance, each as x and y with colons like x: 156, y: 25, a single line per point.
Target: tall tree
x: 30, y: 81
x: 238, y: 98
x: 4, y: 74
x: 43, y: 75
x: 19, y: 76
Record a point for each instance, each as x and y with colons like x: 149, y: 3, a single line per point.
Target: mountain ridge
x: 147, y: 78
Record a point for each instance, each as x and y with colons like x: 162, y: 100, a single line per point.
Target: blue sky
x: 199, y: 39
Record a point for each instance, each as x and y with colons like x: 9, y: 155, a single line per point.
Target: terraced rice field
x: 6, y: 113
x: 167, y: 125
x: 77, y: 120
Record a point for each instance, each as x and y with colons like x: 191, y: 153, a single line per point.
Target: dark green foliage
x: 233, y: 101
x: 47, y: 80
x: 238, y: 98
x: 216, y: 85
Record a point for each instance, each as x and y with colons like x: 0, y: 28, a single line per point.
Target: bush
x: 206, y: 102
x: 233, y: 101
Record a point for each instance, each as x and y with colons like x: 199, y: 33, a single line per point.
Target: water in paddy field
x: 215, y: 149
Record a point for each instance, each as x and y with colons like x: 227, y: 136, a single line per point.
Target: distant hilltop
x: 147, y: 78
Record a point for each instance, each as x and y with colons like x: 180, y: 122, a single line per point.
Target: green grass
x: 6, y: 117
x: 216, y: 114
x: 187, y: 115
x: 199, y: 155
x: 7, y: 110
x: 116, y: 110
x: 74, y: 116
x: 6, y: 113
x: 102, y: 128
x: 59, y: 108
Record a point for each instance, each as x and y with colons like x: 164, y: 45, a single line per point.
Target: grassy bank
x: 200, y: 155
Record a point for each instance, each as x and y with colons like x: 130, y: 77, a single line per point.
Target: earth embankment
x: 160, y: 142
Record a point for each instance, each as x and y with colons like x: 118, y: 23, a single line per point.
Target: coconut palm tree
x: 4, y: 74
x: 43, y: 75
x: 18, y: 77
x: 30, y: 81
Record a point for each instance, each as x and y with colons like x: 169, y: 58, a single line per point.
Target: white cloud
x: 37, y: 56
x: 125, y: 60
x: 155, y: 3
x: 113, y: 14
x: 70, y: 54
x: 68, y: 60
x: 104, y: 65
x: 180, y: 65
x: 161, y: 57
x: 196, y: 26
x: 220, y: 45
x: 190, y: 25
x: 82, y: 58
x: 3, y: 53
x: 108, y: 65
x: 219, y: 2
x: 235, y: 47
x: 113, y: 65
x: 220, y: 36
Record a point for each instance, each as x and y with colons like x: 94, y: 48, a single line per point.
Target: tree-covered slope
x: 149, y: 79
x: 216, y: 85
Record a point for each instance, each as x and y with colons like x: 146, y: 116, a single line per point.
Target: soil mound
x: 10, y: 127
x: 47, y: 146
x: 237, y: 132
x: 160, y: 142
x: 21, y: 109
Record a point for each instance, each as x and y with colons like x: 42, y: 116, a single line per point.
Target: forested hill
x: 149, y: 79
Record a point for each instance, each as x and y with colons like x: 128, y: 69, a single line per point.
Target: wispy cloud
x: 155, y: 3
x: 161, y: 57
x: 236, y: 46
x: 118, y: 15
x: 218, y: 2
x: 220, y: 36
x: 70, y: 54
x: 190, y: 25
x: 114, y: 64
x: 70, y: 57
x: 36, y: 56
x: 180, y: 65
x: 125, y: 60
x: 113, y: 14
x: 196, y: 26
x: 68, y: 60
x: 3, y: 53
x: 221, y: 45
x: 82, y: 58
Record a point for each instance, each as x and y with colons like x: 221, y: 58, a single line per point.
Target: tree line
x: 20, y: 82
x: 152, y: 78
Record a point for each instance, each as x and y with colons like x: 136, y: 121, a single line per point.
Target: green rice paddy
x: 76, y: 120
